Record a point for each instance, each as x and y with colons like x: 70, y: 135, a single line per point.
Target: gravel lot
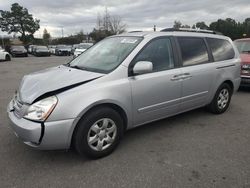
x: 194, y: 149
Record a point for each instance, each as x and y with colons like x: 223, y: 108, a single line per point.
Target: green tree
x: 228, y: 27
x: 46, y: 37
x: 18, y: 20
x: 177, y: 24
x: 246, y: 27
x: 201, y: 25
x: 80, y: 36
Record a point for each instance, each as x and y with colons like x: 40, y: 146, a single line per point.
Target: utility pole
x: 61, y: 29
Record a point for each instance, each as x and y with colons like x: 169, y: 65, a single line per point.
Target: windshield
x: 106, y: 55
x: 243, y: 46
x: 18, y: 47
x: 42, y: 47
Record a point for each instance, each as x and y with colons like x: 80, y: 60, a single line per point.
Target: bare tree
x: 110, y: 23
x: 116, y: 26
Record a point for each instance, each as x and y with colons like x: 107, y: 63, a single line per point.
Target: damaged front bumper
x: 42, y: 135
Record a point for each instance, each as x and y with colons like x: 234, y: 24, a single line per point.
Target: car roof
x: 153, y: 34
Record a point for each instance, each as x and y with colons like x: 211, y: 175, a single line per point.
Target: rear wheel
x: 7, y: 58
x: 98, y: 133
x: 221, y: 99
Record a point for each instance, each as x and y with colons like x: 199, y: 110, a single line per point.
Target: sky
x: 71, y: 16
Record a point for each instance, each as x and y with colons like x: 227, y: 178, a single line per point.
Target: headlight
x: 41, y: 110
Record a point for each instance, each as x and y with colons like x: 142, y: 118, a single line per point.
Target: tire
x: 92, y: 125
x: 7, y: 58
x: 221, y: 99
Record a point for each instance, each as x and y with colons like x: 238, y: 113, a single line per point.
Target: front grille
x: 245, y: 69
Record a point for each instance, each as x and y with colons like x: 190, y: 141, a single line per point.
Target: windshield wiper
x: 77, y: 67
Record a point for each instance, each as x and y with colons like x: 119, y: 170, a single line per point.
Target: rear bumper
x: 22, y: 54
x: 63, y: 53
x: 43, y: 53
x: 245, y: 81
x: 46, y: 136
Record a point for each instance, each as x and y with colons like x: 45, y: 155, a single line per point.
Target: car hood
x: 245, y: 58
x: 53, y: 79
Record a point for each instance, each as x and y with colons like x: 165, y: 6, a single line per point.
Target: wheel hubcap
x: 102, y: 134
x: 223, y: 98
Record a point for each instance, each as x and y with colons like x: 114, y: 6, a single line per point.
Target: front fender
x: 74, y: 103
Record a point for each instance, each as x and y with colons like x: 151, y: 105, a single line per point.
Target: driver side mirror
x: 142, y: 67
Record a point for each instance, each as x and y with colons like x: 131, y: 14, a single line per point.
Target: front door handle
x: 186, y: 76
x: 176, y: 77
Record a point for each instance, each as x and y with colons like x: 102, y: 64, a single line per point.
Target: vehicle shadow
x: 244, y: 89
x: 135, y: 135
x: 149, y: 130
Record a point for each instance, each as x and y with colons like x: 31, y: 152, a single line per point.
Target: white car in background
x: 52, y: 49
x: 81, y: 48
x: 4, y: 55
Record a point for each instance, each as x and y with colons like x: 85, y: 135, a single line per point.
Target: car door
x: 157, y: 94
x: 198, y: 72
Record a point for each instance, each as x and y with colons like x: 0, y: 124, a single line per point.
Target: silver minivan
x: 122, y: 82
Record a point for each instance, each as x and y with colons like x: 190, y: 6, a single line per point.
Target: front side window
x: 221, y: 49
x: 106, y: 55
x: 193, y: 51
x: 159, y: 52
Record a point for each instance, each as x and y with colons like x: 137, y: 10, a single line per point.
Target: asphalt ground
x: 194, y: 149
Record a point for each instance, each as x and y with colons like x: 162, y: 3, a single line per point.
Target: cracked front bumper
x: 47, y: 136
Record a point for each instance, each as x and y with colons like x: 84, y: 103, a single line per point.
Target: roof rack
x: 134, y: 31
x: 191, y: 30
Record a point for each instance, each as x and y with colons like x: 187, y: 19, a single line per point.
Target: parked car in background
x: 63, y: 50
x: 41, y: 51
x: 74, y: 46
x: 243, y: 46
x: 81, y: 48
x: 120, y: 83
x: 4, y: 56
x: 52, y: 49
x: 30, y: 48
x: 17, y: 51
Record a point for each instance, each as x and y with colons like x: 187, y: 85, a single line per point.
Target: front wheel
x: 221, y: 99
x: 7, y: 58
x: 98, y: 133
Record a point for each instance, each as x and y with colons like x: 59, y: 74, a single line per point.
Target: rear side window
x: 193, y: 51
x: 221, y: 49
